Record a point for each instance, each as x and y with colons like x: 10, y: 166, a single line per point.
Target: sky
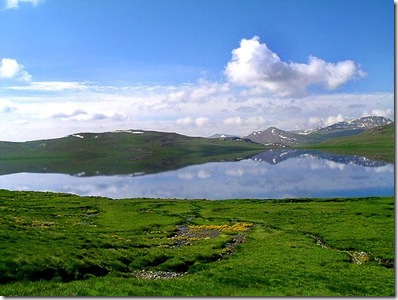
x: 195, y: 67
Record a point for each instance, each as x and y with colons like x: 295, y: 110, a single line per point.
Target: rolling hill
x: 376, y: 143
x: 120, y: 152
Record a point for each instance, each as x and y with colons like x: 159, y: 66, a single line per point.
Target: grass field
x: 65, y: 245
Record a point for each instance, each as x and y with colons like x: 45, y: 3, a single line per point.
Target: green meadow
x: 64, y: 245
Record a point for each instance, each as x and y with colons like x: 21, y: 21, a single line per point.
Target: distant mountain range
x: 136, y: 151
x: 275, y: 137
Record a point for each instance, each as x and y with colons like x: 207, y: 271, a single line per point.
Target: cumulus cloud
x: 176, y: 96
x: 320, y: 122
x: 335, y: 166
x: 250, y: 121
x: 254, y: 65
x: 188, y: 121
x: 387, y: 113
x: 187, y: 109
x: 207, y: 89
x: 257, y: 121
x: 203, y: 174
x: 202, y: 121
x: 315, y: 121
x: 14, y: 4
x: 184, y: 121
x: 334, y: 119
x: 202, y: 91
x: 11, y: 69
x: 233, y: 121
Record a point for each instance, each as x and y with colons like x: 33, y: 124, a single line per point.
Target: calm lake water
x: 272, y: 174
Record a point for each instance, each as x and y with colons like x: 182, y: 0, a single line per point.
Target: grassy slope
x: 376, y: 143
x: 60, y: 244
x: 118, y: 153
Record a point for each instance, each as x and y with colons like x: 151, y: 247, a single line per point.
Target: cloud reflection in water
x: 300, y: 175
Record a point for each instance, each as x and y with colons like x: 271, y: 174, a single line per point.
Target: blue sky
x: 193, y: 67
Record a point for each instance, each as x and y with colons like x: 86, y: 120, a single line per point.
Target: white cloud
x: 248, y: 122
x: 6, y: 106
x: 11, y: 69
x: 21, y: 122
x: 257, y: 121
x: 202, y: 121
x: 81, y: 115
x: 387, y: 113
x: 62, y: 113
x: 188, y: 121
x: 334, y: 166
x: 321, y: 122
x: 14, y: 4
x: 203, y: 174
x: 202, y: 91
x: 254, y: 65
x: 208, y: 89
x: 50, y: 86
x: 184, y: 121
x: 315, y: 122
x: 334, y: 119
x: 56, y: 108
x: 70, y: 111
x: 186, y: 175
x: 233, y: 121
x: 234, y: 172
x: 383, y: 169
x: 177, y: 96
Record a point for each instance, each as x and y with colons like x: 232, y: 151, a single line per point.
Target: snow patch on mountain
x: 78, y: 136
x: 274, y: 136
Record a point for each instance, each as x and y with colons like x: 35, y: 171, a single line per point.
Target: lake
x: 272, y: 174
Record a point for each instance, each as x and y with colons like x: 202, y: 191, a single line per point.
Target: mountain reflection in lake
x: 273, y: 174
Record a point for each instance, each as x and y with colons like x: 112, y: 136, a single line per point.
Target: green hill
x: 121, y: 152
x: 376, y: 143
